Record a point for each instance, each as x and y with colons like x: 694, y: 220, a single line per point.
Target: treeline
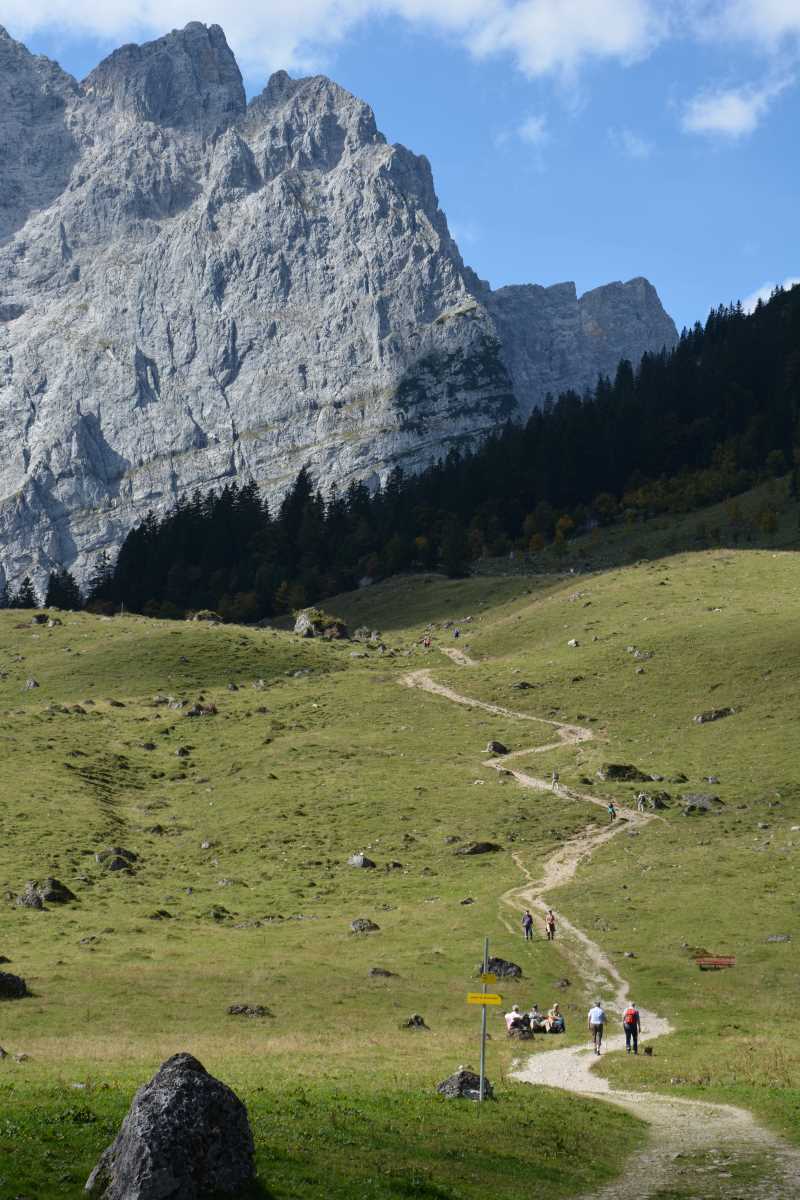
x: 699, y: 424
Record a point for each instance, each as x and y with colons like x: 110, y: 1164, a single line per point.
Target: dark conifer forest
x: 701, y: 423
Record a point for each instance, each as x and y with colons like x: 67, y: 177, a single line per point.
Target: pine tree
x: 101, y: 579
x: 63, y: 591
x: 26, y: 596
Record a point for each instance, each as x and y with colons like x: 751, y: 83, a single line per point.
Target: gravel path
x: 696, y: 1150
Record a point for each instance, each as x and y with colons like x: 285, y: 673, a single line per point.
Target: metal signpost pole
x: 483, y: 1023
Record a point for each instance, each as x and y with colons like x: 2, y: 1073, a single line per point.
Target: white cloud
x: 542, y: 36
x: 771, y: 22
x: 533, y: 131
x: 731, y: 112
x: 631, y: 144
x: 766, y: 290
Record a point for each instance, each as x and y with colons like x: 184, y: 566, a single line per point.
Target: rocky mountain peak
x: 188, y: 78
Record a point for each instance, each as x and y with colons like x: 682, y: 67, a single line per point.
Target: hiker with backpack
x: 527, y: 925
x: 612, y: 812
x: 632, y: 1025
x: 550, y: 925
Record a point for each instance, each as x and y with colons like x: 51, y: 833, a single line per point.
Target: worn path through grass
x: 695, y: 1149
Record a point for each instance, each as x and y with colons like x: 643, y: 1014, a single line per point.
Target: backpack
x: 629, y: 1016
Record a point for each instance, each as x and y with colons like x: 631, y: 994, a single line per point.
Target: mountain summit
x: 195, y: 290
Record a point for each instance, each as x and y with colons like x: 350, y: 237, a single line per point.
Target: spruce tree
x: 26, y: 596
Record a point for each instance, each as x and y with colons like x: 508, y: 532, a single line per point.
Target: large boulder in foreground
x: 186, y: 1136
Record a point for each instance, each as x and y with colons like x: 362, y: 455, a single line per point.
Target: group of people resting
x: 535, y: 1021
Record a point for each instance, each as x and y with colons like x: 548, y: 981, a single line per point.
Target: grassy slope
x: 721, y: 626
x: 340, y: 758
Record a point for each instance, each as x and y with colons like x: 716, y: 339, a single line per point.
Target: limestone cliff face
x: 193, y: 289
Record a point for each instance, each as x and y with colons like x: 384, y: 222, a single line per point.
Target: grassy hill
x: 242, y: 823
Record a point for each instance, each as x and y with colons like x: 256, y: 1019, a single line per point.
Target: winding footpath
x: 696, y: 1150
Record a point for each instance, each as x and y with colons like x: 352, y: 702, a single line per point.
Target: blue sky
x: 570, y: 139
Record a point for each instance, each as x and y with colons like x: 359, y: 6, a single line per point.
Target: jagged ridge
x: 194, y: 289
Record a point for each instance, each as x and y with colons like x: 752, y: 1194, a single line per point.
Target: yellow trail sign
x: 488, y: 977
x: 483, y: 998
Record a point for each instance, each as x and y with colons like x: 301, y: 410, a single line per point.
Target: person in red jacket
x: 632, y: 1025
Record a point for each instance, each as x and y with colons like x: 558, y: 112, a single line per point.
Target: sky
x: 589, y: 140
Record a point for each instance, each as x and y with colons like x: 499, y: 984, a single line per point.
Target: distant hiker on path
x: 612, y: 812
x: 632, y: 1024
x: 641, y: 801
x: 456, y: 633
x: 597, y: 1020
x: 527, y: 926
x: 426, y: 641
x: 555, y: 779
x: 550, y: 925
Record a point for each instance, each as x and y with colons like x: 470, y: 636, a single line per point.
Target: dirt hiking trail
x: 696, y: 1150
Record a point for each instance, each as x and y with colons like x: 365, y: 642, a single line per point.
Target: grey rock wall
x: 193, y: 289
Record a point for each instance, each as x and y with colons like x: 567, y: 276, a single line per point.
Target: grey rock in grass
x: 696, y: 802
x: 360, y: 860
x: 196, y: 289
x: 381, y: 973
x: 248, y: 1010
x: 364, y: 925
x: 502, y: 968
x: 494, y: 747
x: 186, y: 1136
x: 29, y: 897
x: 713, y: 714
x: 657, y: 800
x: 622, y: 771
x: 464, y: 1084
x: 12, y: 987
x: 473, y: 848
x: 30, y: 684
x: 116, y: 858
x: 779, y: 937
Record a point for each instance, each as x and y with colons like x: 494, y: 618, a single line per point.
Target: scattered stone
x: 573, y: 642
x: 249, y: 1010
x: 464, y: 1084
x: 311, y: 622
x: 629, y: 954
x: 30, y: 898
x: 394, y: 865
x: 562, y: 983
x: 763, y: 825
x: 657, y: 800
x: 522, y: 686
x: 161, y: 914
x: 186, y: 1135
x: 713, y: 714
x: 472, y: 848
x: 712, y: 779
x: 115, y: 858
x: 699, y: 803
x: 182, y: 752
x: 39, y: 619
x: 233, y: 687
x: 30, y: 684
x: 148, y: 745
x: 496, y: 748
x: 360, y: 860
x: 622, y: 771
x: 502, y: 968
x: 640, y: 670
x: 12, y: 987
x: 679, y: 778
x: 202, y: 710
x: 22, y: 1057
x: 364, y: 925
x: 381, y: 973
x: 467, y: 900
x: 451, y: 838
x: 3, y: 1054
x: 414, y: 1022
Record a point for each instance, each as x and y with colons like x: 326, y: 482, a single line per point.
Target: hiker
x: 554, y: 1022
x: 426, y: 641
x: 456, y: 633
x: 555, y: 779
x: 536, y: 1019
x: 527, y: 926
x: 612, y: 812
x: 516, y: 1020
x: 641, y: 801
x: 550, y: 925
x: 597, y: 1019
x: 632, y: 1025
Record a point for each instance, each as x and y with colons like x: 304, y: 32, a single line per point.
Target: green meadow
x: 243, y: 821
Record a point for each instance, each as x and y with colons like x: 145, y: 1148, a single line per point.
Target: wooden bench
x: 715, y: 962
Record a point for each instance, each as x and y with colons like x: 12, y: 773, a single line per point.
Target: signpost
x: 485, y: 1000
